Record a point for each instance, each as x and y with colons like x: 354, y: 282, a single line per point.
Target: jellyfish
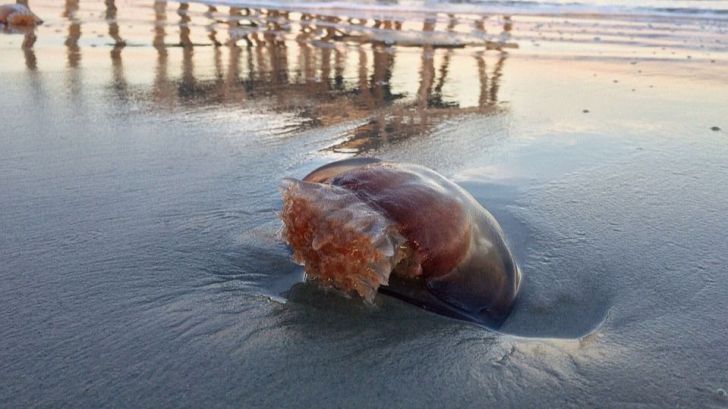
x: 363, y: 226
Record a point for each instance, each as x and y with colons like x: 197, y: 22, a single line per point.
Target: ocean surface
x: 142, y: 145
x: 601, y: 8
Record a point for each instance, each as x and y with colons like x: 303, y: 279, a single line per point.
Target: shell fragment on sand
x: 18, y: 15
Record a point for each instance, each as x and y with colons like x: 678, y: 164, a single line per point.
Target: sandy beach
x: 142, y: 145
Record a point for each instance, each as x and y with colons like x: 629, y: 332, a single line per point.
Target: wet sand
x: 141, y: 149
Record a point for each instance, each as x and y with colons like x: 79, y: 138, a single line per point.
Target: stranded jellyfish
x: 18, y: 15
x: 363, y: 225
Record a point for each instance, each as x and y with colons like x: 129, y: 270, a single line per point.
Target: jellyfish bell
x: 363, y: 225
x: 18, y: 15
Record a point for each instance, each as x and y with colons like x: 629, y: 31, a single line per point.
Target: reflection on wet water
x: 74, y: 33
x: 29, y: 39
x: 323, y: 69
x: 430, y: 106
x: 390, y: 80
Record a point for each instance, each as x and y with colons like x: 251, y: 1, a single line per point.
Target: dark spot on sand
x: 586, y: 111
x: 715, y: 128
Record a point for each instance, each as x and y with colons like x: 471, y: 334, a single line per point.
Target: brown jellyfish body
x: 18, y: 15
x: 363, y: 225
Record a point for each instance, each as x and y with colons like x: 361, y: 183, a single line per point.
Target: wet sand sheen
x: 142, y: 148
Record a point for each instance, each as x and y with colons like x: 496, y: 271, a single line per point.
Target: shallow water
x: 141, y: 150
